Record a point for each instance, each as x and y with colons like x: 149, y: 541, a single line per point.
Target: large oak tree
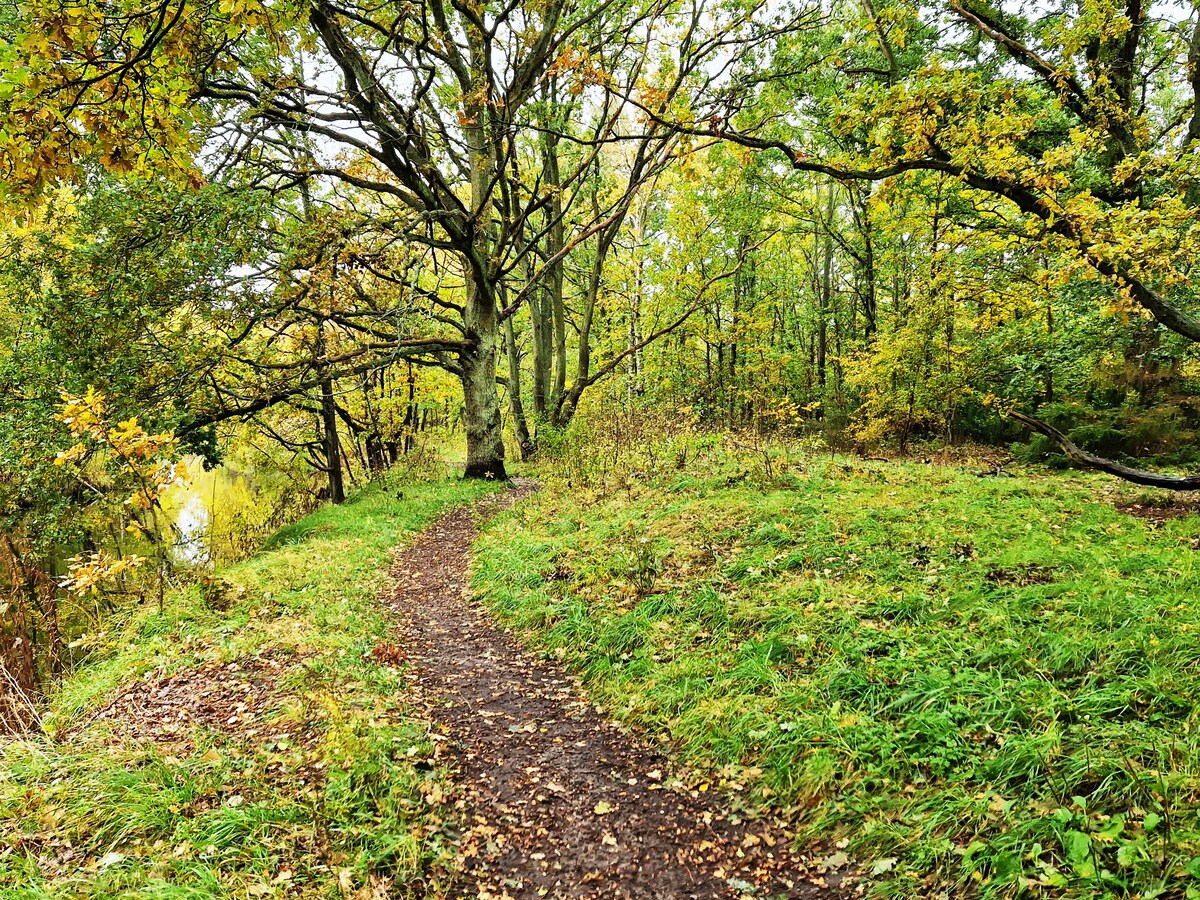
x: 447, y: 115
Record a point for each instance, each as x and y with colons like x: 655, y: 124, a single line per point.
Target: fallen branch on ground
x: 1127, y: 473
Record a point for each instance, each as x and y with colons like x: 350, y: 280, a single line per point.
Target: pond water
x: 221, y: 515
x: 191, y: 532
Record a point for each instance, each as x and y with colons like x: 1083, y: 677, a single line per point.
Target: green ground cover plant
x: 321, y: 784
x: 984, y: 684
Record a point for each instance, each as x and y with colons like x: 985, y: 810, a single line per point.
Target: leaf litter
x: 239, y: 698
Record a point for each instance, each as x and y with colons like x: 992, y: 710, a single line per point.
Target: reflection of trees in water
x: 191, y: 528
x: 224, y: 514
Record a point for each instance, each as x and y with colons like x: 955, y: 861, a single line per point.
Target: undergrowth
x: 985, y: 684
x: 334, y: 791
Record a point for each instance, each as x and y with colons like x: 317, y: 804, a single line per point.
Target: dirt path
x: 561, y: 803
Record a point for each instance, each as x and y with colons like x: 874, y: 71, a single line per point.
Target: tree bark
x: 481, y: 318
x: 515, y: 401
x: 481, y: 402
x: 332, y: 445
x: 556, y: 240
x: 543, y: 352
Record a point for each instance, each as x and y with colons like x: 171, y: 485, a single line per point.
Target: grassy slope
x: 977, y: 681
x: 347, y: 801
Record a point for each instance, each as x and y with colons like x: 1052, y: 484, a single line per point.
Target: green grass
x: 341, y: 790
x: 983, y: 684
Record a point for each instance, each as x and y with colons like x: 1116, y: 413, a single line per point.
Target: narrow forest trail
x: 559, y: 802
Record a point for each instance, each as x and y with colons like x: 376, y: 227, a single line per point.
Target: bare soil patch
x: 1165, y: 512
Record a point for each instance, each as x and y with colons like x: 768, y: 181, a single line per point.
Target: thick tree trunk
x: 481, y: 401
x: 1081, y: 457
x: 485, y: 443
x: 481, y: 318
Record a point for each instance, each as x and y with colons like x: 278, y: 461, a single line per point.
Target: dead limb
x: 1127, y: 473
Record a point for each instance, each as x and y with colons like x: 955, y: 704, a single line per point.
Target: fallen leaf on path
x: 835, y: 861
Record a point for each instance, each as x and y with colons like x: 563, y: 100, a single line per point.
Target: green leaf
x: 1078, y: 846
x: 1128, y: 853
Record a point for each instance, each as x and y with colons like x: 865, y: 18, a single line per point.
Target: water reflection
x: 191, y: 533
x: 223, y: 514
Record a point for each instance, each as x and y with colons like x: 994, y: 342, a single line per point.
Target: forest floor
x: 314, y: 725
x: 249, y: 745
x: 560, y: 802
x: 935, y: 681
